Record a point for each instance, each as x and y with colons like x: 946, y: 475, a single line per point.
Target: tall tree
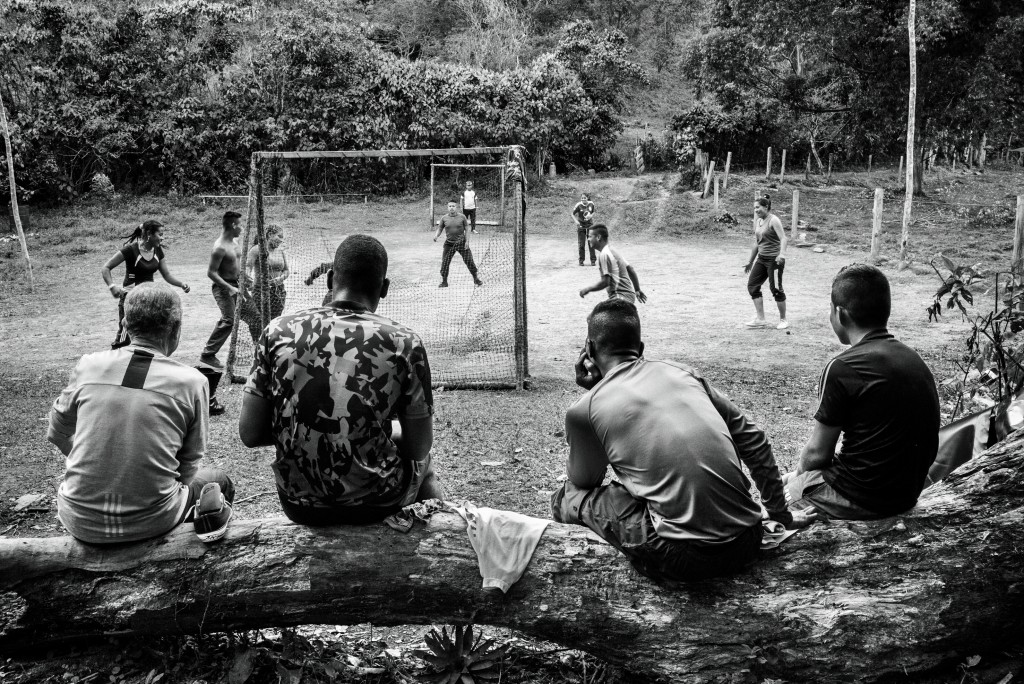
x: 908, y: 195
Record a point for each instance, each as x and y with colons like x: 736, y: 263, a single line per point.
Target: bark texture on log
x: 838, y: 602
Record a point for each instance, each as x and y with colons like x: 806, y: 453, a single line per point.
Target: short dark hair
x: 600, y: 229
x: 614, y: 326
x: 765, y: 201
x: 229, y: 218
x: 864, y: 292
x: 360, y: 263
x: 152, y: 309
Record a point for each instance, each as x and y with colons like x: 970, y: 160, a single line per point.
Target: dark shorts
x: 809, y: 489
x: 625, y: 523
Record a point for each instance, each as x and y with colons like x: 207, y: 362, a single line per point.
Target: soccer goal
x: 302, y: 205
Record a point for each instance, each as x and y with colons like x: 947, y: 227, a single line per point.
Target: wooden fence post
x: 870, y: 159
x: 707, y: 182
x: 876, y: 224
x: 728, y: 163
x: 795, y: 219
x: 782, y: 171
x: 807, y: 171
x: 899, y: 172
x: 716, y: 194
x: 768, y: 169
x: 830, y: 155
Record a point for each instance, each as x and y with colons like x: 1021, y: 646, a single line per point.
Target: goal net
x: 302, y: 205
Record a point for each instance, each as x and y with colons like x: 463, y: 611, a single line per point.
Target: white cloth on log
x: 504, y: 542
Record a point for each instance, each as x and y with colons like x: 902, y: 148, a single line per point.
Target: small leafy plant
x: 459, y: 659
x: 991, y: 370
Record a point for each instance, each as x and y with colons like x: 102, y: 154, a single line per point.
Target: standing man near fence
x: 453, y: 224
x: 583, y: 216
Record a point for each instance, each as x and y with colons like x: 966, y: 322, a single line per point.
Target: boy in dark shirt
x: 881, y: 396
x: 583, y: 215
x: 453, y: 224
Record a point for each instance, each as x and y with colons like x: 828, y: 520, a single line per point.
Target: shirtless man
x: 453, y: 225
x: 223, y: 271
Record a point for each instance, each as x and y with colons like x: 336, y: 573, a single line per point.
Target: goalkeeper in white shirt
x: 469, y: 205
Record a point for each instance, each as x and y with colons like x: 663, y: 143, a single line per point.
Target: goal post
x: 476, y: 336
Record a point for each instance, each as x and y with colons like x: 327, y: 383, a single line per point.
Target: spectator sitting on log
x: 133, y: 425
x: 683, y: 510
x: 881, y: 396
x: 324, y: 388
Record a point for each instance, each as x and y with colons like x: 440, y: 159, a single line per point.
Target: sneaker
x: 478, y: 281
x: 593, y: 263
x: 473, y: 231
x: 211, y: 360
x: 581, y: 263
x: 757, y: 323
x: 211, y: 513
x: 782, y: 325
x: 444, y: 283
x: 216, y: 408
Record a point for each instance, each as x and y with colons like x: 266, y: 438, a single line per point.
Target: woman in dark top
x: 142, y: 256
x: 767, y: 259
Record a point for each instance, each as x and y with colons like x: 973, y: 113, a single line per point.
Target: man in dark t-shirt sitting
x: 881, y: 397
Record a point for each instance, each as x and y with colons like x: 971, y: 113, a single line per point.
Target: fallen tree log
x: 838, y: 602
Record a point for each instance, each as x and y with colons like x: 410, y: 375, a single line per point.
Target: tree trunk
x: 913, y: 150
x: 848, y: 601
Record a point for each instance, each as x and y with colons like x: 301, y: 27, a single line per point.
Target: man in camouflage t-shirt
x: 324, y: 388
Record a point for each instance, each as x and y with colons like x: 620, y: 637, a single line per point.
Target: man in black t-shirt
x: 881, y: 397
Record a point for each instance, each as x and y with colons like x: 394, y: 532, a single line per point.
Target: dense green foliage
x: 832, y: 77
x: 178, y: 96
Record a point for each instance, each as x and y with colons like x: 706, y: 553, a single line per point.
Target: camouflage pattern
x: 335, y: 378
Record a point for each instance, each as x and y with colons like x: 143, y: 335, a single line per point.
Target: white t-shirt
x: 469, y: 199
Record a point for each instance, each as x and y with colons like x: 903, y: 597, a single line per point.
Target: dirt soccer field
x: 500, y: 448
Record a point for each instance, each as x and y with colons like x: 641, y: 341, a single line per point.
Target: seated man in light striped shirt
x: 133, y: 425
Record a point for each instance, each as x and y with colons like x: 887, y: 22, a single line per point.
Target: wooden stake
x: 768, y: 169
x: 807, y: 171
x: 716, y: 194
x: 876, y: 224
x: 830, y: 156
x: 707, y: 181
x: 899, y: 171
x: 782, y: 171
x: 15, y: 212
x: 728, y: 163
x: 870, y: 158
x: 795, y: 219
x: 908, y: 197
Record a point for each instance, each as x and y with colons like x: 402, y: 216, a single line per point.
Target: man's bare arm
x: 631, y: 272
x: 254, y: 421
x: 602, y: 284
x: 820, y: 448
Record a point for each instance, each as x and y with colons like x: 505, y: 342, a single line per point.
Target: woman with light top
x: 767, y: 258
x: 266, y: 271
x: 142, y: 256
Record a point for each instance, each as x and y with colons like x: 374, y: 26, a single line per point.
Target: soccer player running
x: 453, y: 224
x: 223, y: 271
x: 582, y: 215
x: 142, y: 256
x: 469, y: 205
x: 617, y: 276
